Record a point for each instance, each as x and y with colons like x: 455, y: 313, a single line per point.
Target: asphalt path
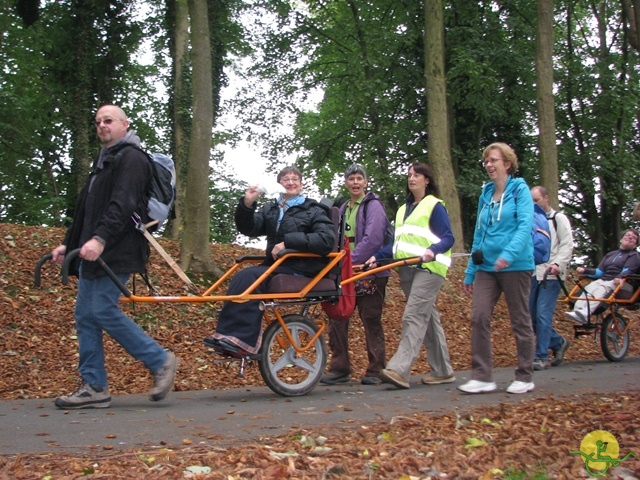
x: 218, y: 418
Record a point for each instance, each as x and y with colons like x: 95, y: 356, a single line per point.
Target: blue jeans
x: 97, y: 309
x: 542, y: 303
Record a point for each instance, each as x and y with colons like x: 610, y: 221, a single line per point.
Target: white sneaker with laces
x: 520, y: 387
x: 477, y: 386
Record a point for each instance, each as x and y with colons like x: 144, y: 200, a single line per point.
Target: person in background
x: 501, y: 262
x: 610, y: 272
x: 423, y: 229
x: 365, y: 225
x: 545, y: 291
x: 102, y: 227
x: 293, y: 222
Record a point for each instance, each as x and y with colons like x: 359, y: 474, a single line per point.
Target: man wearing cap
x: 365, y: 225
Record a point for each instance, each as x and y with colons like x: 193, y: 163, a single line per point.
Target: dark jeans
x: 370, y: 310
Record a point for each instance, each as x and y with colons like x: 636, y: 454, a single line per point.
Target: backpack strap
x: 554, y: 221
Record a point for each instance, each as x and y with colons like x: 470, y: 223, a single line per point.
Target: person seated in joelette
x: 611, y: 271
x: 291, y: 221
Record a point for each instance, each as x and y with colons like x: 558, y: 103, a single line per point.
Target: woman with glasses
x: 501, y: 262
x: 291, y: 221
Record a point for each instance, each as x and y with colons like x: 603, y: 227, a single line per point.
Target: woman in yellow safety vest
x: 422, y: 229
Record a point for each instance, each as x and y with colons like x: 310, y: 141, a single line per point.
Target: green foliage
x: 366, y: 59
x: 597, y: 125
x: 539, y: 473
x: 224, y: 194
x: 363, y: 61
x: 75, y: 57
x: 329, y: 82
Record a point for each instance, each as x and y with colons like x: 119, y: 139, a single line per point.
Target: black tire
x: 614, y: 344
x: 282, y: 370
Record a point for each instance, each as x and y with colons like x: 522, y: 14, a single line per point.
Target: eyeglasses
x: 631, y: 236
x: 491, y: 160
x: 290, y: 180
x: 106, y: 121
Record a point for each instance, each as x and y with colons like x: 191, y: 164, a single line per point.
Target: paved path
x: 221, y: 418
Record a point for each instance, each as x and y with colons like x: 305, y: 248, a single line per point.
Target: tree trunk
x: 181, y: 97
x: 631, y: 15
x: 439, y: 141
x: 545, y: 100
x: 196, y: 252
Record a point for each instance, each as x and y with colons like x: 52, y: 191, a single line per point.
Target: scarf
x: 285, y: 203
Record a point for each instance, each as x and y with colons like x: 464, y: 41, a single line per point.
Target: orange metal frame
x: 208, y: 296
x: 305, y: 296
x: 247, y: 295
x: 612, y: 301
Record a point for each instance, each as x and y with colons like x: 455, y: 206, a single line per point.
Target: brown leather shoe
x: 394, y: 378
x: 433, y: 380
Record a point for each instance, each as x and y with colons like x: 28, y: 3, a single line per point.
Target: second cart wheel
x: 285, y: 371
x: 614, y: 337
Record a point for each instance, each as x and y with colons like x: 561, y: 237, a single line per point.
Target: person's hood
x: 130, y: 138
x: 490, y: 188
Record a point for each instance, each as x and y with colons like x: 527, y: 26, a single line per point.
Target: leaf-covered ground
x: 38, y: 357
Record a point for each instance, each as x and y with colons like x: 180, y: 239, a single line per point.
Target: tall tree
x: 437, y: 114
x: 195, y: 254
x: 545, y: 100
x: 178, y: 19
x: 598, y: 126
x: 491, y: 91
x: 367, y: 60
x: 631, y: 11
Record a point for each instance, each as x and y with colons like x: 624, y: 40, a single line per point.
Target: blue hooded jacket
x: 503, y: 229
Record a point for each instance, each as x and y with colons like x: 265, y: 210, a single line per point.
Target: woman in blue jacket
x: 501, y: 262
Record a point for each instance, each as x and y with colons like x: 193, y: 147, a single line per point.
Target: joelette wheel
x: 285, y: 371
x: 614, y: 337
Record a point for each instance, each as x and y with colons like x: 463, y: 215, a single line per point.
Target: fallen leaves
x: 38, y: 355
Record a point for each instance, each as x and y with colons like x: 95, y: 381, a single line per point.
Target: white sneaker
x: 477, y: 386
x: 576, y: 316
x: 520, y: 387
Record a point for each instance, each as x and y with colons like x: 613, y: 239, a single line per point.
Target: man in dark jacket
x: 613, y: 269
x: 102, y: 227
x: 366, y: 224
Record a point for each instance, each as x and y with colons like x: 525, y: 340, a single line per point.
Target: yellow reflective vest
x: 413, y: 236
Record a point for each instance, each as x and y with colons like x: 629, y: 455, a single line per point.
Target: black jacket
x: 306, y: 228
x: 104, y: 208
